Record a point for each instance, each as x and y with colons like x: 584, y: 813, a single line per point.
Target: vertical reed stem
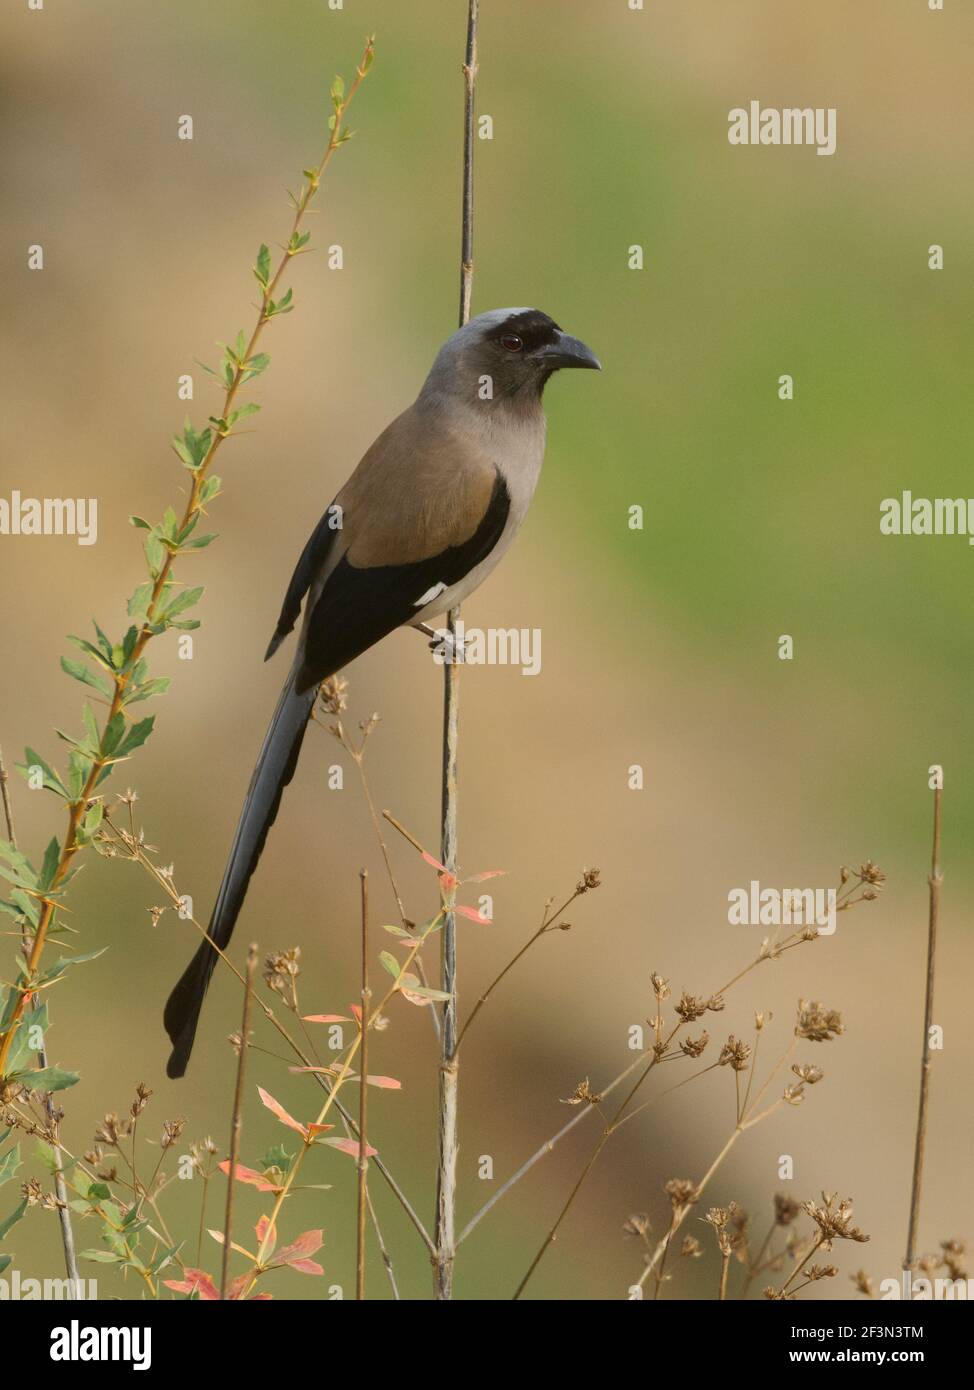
x: 363, y: 1146
x: 237, y: 1118
x: 446, y: 1181
x: 935, y: 880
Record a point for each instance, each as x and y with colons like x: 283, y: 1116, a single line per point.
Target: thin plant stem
x: 547, y: 920
x: 53, y: 1117
x: 312, y: 1130
x: 363, y: 1148
x: 548, y: 1146
x: 236, y: 1122
x: 934, y: 882
x: 134, y: 850
x: 449, y: 1077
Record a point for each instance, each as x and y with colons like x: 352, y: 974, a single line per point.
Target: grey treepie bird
x: 425, y: 517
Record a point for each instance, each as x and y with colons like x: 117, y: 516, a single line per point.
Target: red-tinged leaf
x: 305, y: 1266
x: 326, y: 1018
x: 277, y: 1109
x: 266, y: 1233
x: 447, y: 881
x: 489, y: 873
x: 196, y: 1281
x: 435, y: 863
x: 351, y: 1146
x: 306, y: 1244
x: 473, y: 915
x: 408, y: 987
x: 357, y: 1011
x: 236, y: 1288
x: 314, y: 1130
x: 250, y: 1176
x: 388, y: 1083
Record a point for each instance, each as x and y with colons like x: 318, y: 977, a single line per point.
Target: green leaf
x: 60, y: 965
x: 155, y: 554
x: 53, y: 1079
x: 5, y: 1262
x: 210, y: 489
x: 262, y: 269
x: 242, y: 413
x: 255, y: 365
x: 52, y: 856
x: 80, y: 672
x: 50, y: 778
x: 179, y: 604
x: 140, y: 521
x: 9, y: 1164
x: 157, y: 686
x: 9, y: 1222
x: 390, y: 963
x: 46, y: 1156
x: 136, y: 736
x: 105, y: 1257
x: 138, y: 604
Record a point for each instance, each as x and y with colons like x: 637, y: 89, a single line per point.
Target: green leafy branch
x: 117, y: 671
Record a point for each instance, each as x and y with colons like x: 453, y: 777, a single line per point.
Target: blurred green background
x: 659, y: 646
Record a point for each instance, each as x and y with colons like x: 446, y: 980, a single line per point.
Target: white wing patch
x: 430, y: 595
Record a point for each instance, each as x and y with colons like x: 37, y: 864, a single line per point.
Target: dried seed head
x: 817, y: 1023
x: 32, y: 1192
x: 111, y: 1130
x: 691, y: 1248
x: 281, y: 971
x: 333, y: 695
x: 735, y: 1054
x: 661, y: 987
x: 863, y: 1283
x: 681, y: 1192
x: 142, y: 1094
x: 871, y: 873
x: 715, y: 1003
x: 810, y: 1075
x: 834, y: 1219
x: 638, y: 1225
x: 816, y: 1272
x: 693, y: 1047
x: 591, y: 878
x: 155, y: 913
x: 690, y: 1007
x: 171, y: 1130
x: 786, y: 1210
x: 582, y: 1095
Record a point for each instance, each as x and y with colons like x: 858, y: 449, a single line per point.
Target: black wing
x: 313, y: 557
x: 358, y: 606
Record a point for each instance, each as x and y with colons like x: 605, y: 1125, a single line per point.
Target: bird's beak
x: 567, y: 351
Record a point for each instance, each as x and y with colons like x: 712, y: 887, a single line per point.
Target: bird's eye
x: 512, y: 343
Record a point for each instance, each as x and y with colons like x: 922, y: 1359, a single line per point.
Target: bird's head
x: 509, y: 352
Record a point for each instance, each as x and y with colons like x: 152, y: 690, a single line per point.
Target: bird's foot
x: 447, y: 648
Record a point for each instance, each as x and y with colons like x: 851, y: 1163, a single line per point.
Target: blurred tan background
x: 659, y: 647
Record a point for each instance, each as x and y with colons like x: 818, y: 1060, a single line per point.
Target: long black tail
x: 274, y: 770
